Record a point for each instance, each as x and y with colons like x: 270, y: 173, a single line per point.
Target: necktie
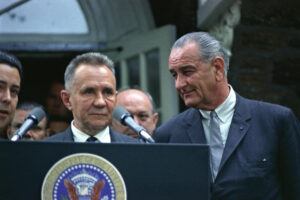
x: 92, y: 139
x: 216, y: 144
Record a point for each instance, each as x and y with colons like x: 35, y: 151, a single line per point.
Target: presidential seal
x: 83, y: 176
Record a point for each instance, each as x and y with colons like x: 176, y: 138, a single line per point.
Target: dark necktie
x: 92, y: 140
x: 216, y: 144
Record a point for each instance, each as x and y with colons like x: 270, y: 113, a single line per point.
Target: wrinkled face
x: 54, y: 104
x: 92, y: 98
x: 195, y: 81
x: 9, y: 90
x: 38, y: 132
x: 139, y: 105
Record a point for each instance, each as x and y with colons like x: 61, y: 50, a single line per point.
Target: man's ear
x: 155, y: 118
x: 8, y: 132
x: 47, y: 132
x: 65, y: 97
x: 219, y: 65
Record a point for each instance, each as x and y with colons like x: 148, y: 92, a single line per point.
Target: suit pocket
x: 259, y: 168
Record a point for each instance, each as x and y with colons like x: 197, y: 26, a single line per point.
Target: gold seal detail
x: 83, y: 176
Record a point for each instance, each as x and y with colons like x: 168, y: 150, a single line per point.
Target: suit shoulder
x: 56, y: 137
x: 119, y: 137
x: 264, y: 111
x: 266, y: 107
x: 180, y: 118
x: 176, y: 124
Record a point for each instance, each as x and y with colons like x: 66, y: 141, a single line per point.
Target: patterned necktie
x: 92, y: 139
x: 216, y: 144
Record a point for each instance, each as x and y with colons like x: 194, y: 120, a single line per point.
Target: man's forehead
x: 43, y: 122
x: 189, y: 49
x: 21, y: 112
x: 132, y: 97
x: 83, y: 66
x: 101, y: 72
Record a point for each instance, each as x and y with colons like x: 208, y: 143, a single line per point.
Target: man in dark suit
x: 257, y: 153
x: 90, y: 93
x: 10, y: 81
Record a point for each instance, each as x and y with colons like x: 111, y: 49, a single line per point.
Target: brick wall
x: 266, y: 52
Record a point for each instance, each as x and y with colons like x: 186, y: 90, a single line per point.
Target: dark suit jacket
x: 67, y: 136
x: 261, y: 159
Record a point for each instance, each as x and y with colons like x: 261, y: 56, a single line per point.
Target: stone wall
x: 265, y: 63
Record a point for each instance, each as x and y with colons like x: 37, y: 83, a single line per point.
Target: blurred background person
x: 53, y: 103
x: 141, y: 106
x: 10, y: 81
x: 58, y: 124
x: 59, y: 116
x: 37, y: 132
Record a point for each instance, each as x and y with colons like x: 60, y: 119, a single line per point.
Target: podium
x: 149, y: 171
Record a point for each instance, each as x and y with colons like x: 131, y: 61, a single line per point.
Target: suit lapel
x: 238, y: 129
x: 113, y: 136
x: 195, y: 129
x: 68, y: 136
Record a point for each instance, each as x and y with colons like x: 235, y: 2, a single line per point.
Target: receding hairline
x: 93, y: 66
x: 132, y: 92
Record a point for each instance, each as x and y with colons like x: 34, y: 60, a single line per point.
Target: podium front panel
x: 150, y: 171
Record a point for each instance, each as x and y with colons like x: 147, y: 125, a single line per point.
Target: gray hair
x: 91, y: 58
x: 209, y: 47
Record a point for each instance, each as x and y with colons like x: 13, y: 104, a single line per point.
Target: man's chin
x: 4, y: 121
x: 190, y: 103
x: 97, y: 127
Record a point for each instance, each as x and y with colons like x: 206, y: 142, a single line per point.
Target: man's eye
x: 37, y: 128
x: 108, y: 92
x: 18, y: 126
x: 88, y: 91
x: 174, y: 75
x: 14, y: 92
x: 2, y: 86
x: 188, y: 72
x: 143, y: 117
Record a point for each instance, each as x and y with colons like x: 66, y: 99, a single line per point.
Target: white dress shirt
x: 225, y: 114
x: 79, y: 136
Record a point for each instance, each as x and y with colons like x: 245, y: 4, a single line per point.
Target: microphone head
x: 120, y: 113
x: 37, y: 114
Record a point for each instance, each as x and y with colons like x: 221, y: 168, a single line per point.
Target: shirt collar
x: 79, y: 136
x: 223, y: 111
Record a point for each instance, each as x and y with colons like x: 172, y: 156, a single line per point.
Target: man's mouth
x: 4, y: 112
x: 98, y: 114
x: 132, y: 134
x: 186, y: 93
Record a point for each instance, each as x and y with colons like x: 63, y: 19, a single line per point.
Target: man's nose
x: 6, y: 96
x: 28, y: 134
x: 99, y: 101
x: 180, y: 82
x: 136, y: 119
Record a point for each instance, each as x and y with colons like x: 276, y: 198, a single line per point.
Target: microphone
x: 123, y: 116
x: 33, y: 118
